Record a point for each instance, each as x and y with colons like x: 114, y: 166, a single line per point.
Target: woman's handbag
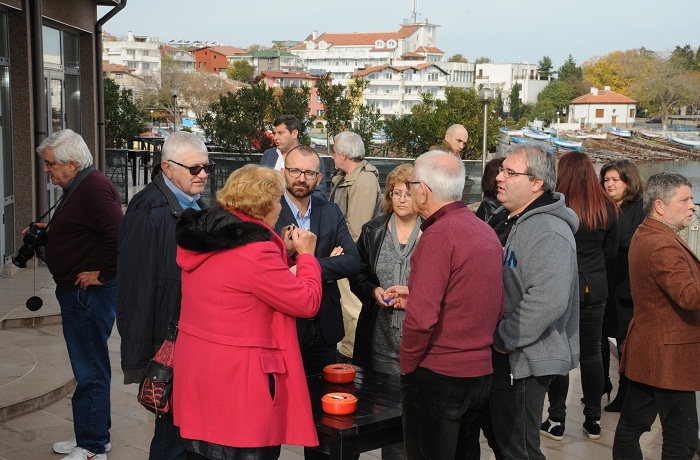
x: 155, y: 392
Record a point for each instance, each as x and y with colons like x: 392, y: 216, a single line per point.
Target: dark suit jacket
x: 269, y: 159
x: 328, y: 223
x: 663, y: 342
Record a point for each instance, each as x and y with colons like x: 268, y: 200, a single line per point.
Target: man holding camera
x: 81, y: 253
x: 149, y: 277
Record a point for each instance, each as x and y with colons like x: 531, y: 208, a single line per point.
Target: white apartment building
x: 394, y: 90
x: 502, y: 77
x: 140, y: 53
x: 379, y: 54
x: 184, y: 60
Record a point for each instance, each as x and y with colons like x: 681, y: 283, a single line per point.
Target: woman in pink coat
x: 240, y: 389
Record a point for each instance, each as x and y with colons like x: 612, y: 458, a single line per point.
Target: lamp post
x: 558, y: 119
x: 175, y: 93
x: 151, y: 120
x: 485, y: 96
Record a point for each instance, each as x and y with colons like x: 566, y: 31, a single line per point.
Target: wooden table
x: 375, y: 424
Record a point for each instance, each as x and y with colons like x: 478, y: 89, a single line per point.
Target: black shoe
x: 592, y: 427
x: 616, y: 405
x: 608, y: 388
x: 552, y: 429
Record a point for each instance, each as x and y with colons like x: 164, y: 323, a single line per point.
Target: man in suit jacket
x: 286, y: 138
x: 662, y: 352
x: 335, y: 251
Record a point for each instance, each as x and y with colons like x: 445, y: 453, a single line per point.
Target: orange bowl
x: 339, y: 373
x: 339, y: 403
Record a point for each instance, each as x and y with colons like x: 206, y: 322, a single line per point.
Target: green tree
x: 558, y: 93
x: 697, y: 59
x: 293, y: 100
x: 569, y: 71
x: 514, y: 102
x: 457, y: 58
x: 545, y: 66
x: 683, y: 57
x: 240, y: 70
x: 123, y: 120
x: 337, y: 109
x: 482, y: 60
x: 238, y: 118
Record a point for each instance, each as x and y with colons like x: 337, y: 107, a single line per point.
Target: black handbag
x: 155, y: 391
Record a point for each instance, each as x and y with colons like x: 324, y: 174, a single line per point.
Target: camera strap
x: 50, y: 209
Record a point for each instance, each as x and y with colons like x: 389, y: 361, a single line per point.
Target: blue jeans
x: 442, y: 414
x: 516, y: 411
x: 88, y: 317
x: 679, y: 422
x: 167, y: 443
x: 592, y: 374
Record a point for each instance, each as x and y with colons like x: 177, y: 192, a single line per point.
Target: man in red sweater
x: 455, y: 302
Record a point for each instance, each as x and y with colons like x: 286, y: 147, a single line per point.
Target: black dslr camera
x: 33, y: 240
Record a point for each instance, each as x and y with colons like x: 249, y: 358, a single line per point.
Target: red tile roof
x: 116, y: 68
x: 278, y: 74
x: 225, y: 50
x: 397, y: 68
x: 429, y: 49
x: 359, y: 38
x: 603, y: 97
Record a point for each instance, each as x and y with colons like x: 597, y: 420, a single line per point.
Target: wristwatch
x: 100, y: 279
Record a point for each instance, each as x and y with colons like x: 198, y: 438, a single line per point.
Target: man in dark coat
x: 149, y: 277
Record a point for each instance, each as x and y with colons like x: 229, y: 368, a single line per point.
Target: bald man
x: 455, y: 139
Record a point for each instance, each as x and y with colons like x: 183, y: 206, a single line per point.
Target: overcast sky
x: 506, y: 31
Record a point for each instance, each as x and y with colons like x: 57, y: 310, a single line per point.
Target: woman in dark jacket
x: 596, y: 248
x: 624, y: 184
x: 385, y: 246
x: 489, y: 189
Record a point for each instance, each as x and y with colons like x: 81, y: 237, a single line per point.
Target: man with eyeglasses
x: 81, y: 253
x: 453, y: 301
x: 149, y: 277
x: 286, y: 135
x: 335, y: 251
x: 537, y: 338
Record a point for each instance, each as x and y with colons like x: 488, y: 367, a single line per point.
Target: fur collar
x: 215, y: 229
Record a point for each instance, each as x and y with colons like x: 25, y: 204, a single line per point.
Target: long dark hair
x: 577, y: 180
x: 630, y: 175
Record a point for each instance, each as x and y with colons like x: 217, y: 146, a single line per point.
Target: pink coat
x: 237, y: 339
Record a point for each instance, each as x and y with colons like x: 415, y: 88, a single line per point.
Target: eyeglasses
x: 401, y: 193
x: 196, y: 169
x: 409, y: 183
x: 296, y: 173
x: 50, y: 164
x: 508, y: 173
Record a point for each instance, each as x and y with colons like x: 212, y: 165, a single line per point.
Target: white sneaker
x: 66, y: 447
x: 81, y: 454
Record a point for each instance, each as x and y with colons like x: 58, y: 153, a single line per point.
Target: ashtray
x: 339, y: 373
x: 339, y: 403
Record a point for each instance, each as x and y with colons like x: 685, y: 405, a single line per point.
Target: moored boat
x: 684, y: 141
x: 559, y: 142
x: 650, y: 134
x: 619, y: 132
x: 540, y: 136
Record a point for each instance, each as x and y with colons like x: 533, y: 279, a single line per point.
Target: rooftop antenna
x: 414, y: 14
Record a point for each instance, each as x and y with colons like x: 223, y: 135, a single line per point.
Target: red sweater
x: 83, y: 235
x: 455, y: 295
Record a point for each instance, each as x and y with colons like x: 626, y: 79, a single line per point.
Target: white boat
x: 559, y: 142
x: 540, y: 136
x: 512, y: 132
x: 684, y: 141
x: 589, y: 135
x: 650, y: 134
x: 619, y: 132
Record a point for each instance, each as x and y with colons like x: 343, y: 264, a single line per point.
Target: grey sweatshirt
x: 540, y: 325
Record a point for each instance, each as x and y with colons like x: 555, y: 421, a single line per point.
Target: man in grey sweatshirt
x: 537, y: 338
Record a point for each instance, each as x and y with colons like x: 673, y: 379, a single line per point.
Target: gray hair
x: 443, y: 173
x: 67, y: 145
x: 540, y: 163
x: 350, y: 144
x: 662, y: 186
x: 181, y: 142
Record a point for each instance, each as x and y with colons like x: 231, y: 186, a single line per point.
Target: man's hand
x: 399, y: 296
x: 38, y: 224
x: 337, y: 251
x: 85, y: 279
x: 287, y: 238
x: 379, y: 297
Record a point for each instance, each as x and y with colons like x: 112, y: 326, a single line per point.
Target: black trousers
x: 679, y: 422
x: 442, y: 415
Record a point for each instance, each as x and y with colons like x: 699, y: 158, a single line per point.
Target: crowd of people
x: 481, y: 315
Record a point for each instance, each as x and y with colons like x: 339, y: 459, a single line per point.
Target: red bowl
x: 339, y: 373
x: 339, y: 403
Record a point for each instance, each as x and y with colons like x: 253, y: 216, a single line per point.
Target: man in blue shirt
x: 149, y: 290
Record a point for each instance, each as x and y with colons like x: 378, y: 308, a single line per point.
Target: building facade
x: 283, y: 79
x: 139, y: 52
x: 501, y: 78
x: 215, y: 59
x: 602, y: 107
